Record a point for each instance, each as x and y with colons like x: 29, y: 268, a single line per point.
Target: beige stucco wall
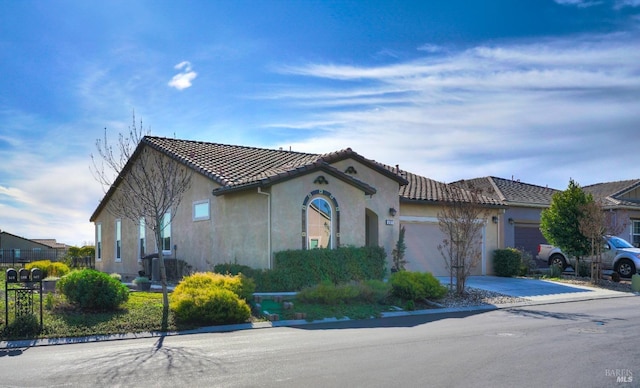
x: 193, y: 239
x: 386, y: 197
x: 427, y: 214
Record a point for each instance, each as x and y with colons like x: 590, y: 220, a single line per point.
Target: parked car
x: 617, y: 255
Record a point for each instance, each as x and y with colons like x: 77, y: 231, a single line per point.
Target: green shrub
x: 584, y: 269
x: 209, y: 298
x: 371, y: 291
x: 49, y: 268
x: 116, y: 276
x: 555, y: 271
x: 296, y: 269
x: 506, y: 262
x: 416, y: 286
x: 527, y: 264
x: 234, y: 269
x: 93, y: 290
x: 23, y: 326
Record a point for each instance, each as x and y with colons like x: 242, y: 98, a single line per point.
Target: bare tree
x: 591, y: 224
x: 462, y: 220
x: 147, y: 185
x: 595, y: 222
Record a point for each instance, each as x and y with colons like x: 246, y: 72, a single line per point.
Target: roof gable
x: 424, y: 189
x: 513, y: 191
x: 613, y: 193
x: 237, y: 168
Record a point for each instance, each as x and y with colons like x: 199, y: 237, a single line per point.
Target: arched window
x: 319, y: 224
x: 320, y: 221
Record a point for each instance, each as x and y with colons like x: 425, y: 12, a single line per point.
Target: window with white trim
x: 141, y: 239
x: 118, y: 240
x: 166, y: 232
x: 319, y: 224
x: 98, y: 241
x: 201, y: 210
x: 635, y: 233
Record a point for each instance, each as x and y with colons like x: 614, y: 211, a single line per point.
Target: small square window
x: 201, y: 210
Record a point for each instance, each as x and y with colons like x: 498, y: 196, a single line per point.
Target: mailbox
x: 12, y: 276
x: 36, y: 275
x: 23, y: 275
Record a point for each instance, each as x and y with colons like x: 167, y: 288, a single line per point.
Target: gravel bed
x: 477, y: 297
x: 622, y: 286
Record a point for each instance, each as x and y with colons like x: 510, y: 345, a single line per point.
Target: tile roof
x: 609, y: 192
x: 51, y: 243
x: 424, y: 189
x: 240, y: 167
x: 513, y: 191
x: 237, y: 168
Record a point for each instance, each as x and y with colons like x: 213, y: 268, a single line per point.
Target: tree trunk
x: 163, y: 282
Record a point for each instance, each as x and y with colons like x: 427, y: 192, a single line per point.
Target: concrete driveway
x: 535, y: 289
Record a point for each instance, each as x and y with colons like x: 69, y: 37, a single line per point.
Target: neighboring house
x: 521, y: 218
x: 622, y: 199
x: 16, y: 249
x: 246, y: 203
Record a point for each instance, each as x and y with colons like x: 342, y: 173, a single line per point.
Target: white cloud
x: 542, y: 112
x: 183, y: 80
x: 579, y: 3
x: 627, y: 3
x: 430, y: 48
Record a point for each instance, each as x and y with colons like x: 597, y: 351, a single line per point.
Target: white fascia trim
x: 418, y: 219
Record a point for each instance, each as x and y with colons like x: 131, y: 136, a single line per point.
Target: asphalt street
x: 590, y: 343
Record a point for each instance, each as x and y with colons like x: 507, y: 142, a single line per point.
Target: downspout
x: 268, y: 223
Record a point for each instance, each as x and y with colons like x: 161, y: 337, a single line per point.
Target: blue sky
x: 538, y: 90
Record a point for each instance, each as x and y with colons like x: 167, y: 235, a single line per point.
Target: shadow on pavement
x: 400, y: 321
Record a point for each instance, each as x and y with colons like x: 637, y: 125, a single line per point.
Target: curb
x: 286, y: 323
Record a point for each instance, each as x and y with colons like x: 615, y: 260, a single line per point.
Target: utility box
x: 635, y: 283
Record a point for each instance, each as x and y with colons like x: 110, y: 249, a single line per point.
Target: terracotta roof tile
x: 239, y: 167
x: 513, y: 191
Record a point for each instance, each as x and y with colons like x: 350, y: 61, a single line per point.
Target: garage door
x: 527, y: 237
x: 422, y: 240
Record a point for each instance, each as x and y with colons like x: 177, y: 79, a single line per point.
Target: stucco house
x: 247, y: 203
x: 622, y: 199
x: 17, y: 249
x: 520, y: 219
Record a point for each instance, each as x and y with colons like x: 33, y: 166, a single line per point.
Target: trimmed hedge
x: 93, y: 290
x: 506, y: 262
x: 368, y: 291
x: 297, y: 269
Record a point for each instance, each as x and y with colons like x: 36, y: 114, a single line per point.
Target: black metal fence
x: 23, y: 256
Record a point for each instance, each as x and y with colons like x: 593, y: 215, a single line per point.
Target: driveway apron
x: 535, y: 289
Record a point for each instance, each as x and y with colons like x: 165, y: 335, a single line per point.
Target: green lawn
x: 141, y: 313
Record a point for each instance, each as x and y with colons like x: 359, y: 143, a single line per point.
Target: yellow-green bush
x: 239, y: 284
x: 212, y: 299
x: 209, y: 306
x: 49, y: 268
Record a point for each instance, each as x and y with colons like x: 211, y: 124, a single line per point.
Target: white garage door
x: 422, y: 240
